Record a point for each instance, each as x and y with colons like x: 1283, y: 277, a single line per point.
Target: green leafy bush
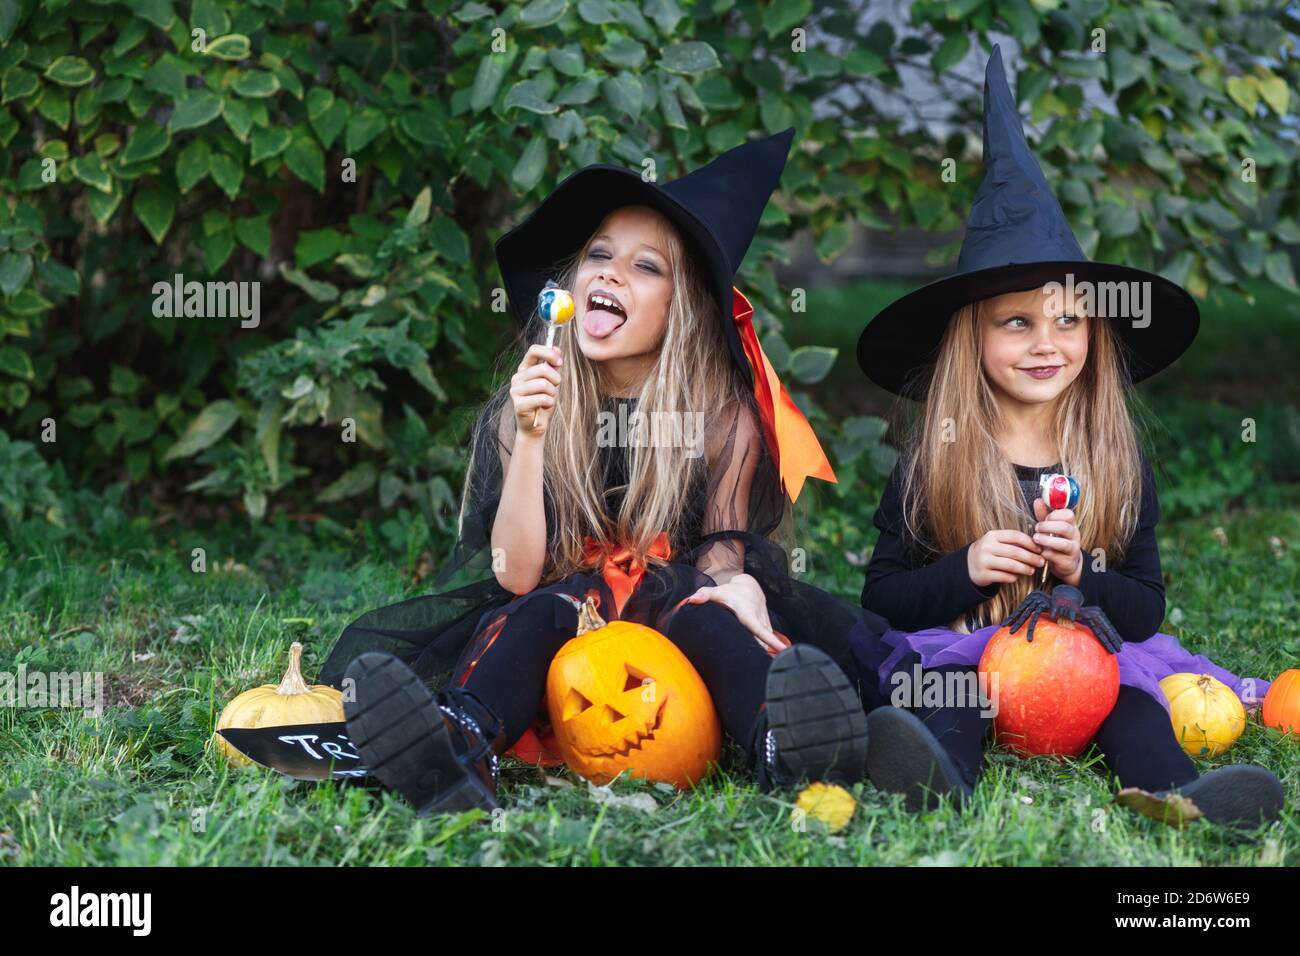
x: 358, y: 161
x: 27, y: 485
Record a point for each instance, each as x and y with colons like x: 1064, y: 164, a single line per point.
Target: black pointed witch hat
x: 716, y: 208
x: 1017, y: 238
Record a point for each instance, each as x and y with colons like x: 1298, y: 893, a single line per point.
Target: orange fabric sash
x: 621, y: 569
x: 794, y: 446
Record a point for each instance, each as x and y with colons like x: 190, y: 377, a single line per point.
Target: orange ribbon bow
x: 621, y: 569
x: 795, y: 448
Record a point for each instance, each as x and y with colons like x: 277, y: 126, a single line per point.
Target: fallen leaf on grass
x: 943, y: 858
x: 1173, y: 809
x: 832, y: 805
x: 183, y: 634
x: 231, y: 566
x: 1270, y: 854
x: 633, y: 801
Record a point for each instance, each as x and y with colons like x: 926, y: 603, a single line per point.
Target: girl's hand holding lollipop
x: 556, y: 307
x: 536, y: 383
x: 1057, y: 531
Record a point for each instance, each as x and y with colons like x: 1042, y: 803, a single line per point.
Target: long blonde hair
x: 957, y: 484
x: 693, y: 372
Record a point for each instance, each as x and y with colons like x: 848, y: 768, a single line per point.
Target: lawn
x: 142, y: 785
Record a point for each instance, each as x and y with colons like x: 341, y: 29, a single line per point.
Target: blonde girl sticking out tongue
x: 680, y: 521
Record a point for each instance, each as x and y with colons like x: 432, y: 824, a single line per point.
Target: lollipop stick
x: 550, y: 341
x: 1042, y: 578
x: 1071, y: 490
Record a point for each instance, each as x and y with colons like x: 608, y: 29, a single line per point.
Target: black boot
x: 1160, y: 781
x: 1241, y: 796
x: 812, y: 726
x: 437, y: 752
x: 906, y: 757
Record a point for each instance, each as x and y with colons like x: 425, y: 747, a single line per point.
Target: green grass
x: 142, y: 785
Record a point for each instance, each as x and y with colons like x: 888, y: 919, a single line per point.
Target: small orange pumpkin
x: 622, y: 697
x: 1053, y: 692
x: 1282, y: 703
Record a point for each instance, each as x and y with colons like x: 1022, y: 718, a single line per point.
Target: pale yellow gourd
x: 292, y: 701
x: 1207, y: 716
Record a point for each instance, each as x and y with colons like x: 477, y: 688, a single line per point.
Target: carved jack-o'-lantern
x: 622, y: 697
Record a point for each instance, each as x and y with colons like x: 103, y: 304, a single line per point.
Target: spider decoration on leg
x: 1065, y: 603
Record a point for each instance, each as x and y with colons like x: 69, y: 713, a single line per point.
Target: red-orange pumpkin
x: 1282, y: 703
x: 622, y: 697
x: 1051, y: 693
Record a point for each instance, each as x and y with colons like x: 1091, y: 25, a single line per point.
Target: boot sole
x: 403, y: 738
x: 1242, y: 796
x: 906, y: 758
x: 816, y: 717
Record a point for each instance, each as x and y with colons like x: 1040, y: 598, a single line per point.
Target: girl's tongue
x: 599, y: 323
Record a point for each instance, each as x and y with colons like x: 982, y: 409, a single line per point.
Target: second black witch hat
x: 1017, y: 238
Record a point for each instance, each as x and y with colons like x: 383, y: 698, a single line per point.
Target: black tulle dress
x: 444, y: 636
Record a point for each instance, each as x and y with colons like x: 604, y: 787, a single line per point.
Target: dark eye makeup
x: 645, y: 265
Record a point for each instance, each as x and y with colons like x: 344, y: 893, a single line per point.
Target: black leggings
x: 510, y: 676
x: 1137, y: 740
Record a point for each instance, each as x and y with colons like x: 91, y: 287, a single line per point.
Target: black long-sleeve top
x: 916, y: 592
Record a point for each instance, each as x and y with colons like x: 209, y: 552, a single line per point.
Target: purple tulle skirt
x: 1141, y: 664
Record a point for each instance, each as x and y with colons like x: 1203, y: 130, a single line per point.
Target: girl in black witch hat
x: 673, y: 534
x: 1021, y: 377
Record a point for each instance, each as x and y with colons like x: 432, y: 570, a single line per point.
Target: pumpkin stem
x: 588, y: 619
x: 292, y: 683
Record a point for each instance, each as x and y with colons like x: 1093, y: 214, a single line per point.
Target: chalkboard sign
x: 302, y: 751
